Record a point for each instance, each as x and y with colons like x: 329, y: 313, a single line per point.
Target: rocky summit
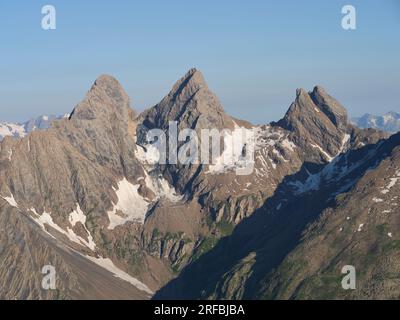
x: 86, y: 196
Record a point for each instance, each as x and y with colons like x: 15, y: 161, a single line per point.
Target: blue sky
x: 254, y: 54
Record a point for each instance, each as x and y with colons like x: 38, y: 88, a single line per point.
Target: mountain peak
x: 300, y: 92
x: 190, y: 83
x: 105, y: 96
x: 330, y: 107
x: 302, y: 101
x: 195, y: 74
x: 105, y: 81
x: 111, y: 87
x: 317, y: 117
x: 317, y: 103
x: 191, y: 103
x: 320, y: 90
x: 191, y: 72
x: 393, y: 114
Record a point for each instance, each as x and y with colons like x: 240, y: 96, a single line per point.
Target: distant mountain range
x: 83, y: 196
x: 389, y: 122
x: 20, y: 130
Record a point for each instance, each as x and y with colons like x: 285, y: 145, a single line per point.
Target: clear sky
x: 254, y: 54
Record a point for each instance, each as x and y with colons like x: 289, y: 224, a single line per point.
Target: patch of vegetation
x: 156, y: 233
x: 206, y: 245
x: 60, y: 295
x: 381, y: 230
x: 176, y: 267
x: 209, y: 221
x: 340, y: 197
x: 287, y: 273
x: 391, y: 245
x: 225, y: 227
x: 323, y: 287
x: 107, y: 243
x: 186, y: 240
x: 172, y: 236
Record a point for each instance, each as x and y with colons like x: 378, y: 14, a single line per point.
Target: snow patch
x: 107, y: 264
x: 161, y: 188
x: 10, y: 153
x: 328, y: 157
x: 345, y: 141
x: 34, y: 212
x: 11, y: 201
x: 11, y: 129
x: 235, y: 142
x: 148, y: 154
x: 46, y: 219
x: 288, y: 144
x: 392, y: 183
x: 132, y: 205
x: 266, y: 136
x: 78, y: 216
x: 312, y: 183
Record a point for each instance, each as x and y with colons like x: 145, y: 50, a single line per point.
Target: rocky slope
x: 295, y: 246
x: 25, y: 250
x: 87, y: 194
x: 359, y: 229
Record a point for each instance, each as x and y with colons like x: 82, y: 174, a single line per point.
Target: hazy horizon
x: 260, y: 121
x: 253, y: 55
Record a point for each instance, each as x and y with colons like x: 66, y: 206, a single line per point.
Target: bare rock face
x: 105, y: 120
x: 82, y: 195
x: 79, y: 159
x: 319, y: 121
x: 106, y: 97
x: 191, y: 104
x: 330, y: 107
